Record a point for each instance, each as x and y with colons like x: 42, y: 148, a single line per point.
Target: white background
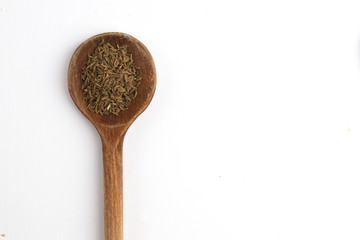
x: 253, y: 132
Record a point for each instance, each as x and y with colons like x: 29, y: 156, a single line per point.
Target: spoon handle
x: 113, y: 188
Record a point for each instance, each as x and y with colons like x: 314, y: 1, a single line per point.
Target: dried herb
x: 109, y: 79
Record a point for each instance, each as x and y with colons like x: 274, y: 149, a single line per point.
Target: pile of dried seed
x: 109, y: 79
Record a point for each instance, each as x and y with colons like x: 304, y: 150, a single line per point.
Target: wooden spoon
x: 112, y: 128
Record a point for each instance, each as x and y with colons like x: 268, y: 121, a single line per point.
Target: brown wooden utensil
x: 112, y: 128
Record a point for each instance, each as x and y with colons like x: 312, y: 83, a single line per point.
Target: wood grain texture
x: 112, y: 128
x: 113, y: 186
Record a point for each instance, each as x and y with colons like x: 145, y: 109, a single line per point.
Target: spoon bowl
x: 112, y: 128
x: 145, y: 91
